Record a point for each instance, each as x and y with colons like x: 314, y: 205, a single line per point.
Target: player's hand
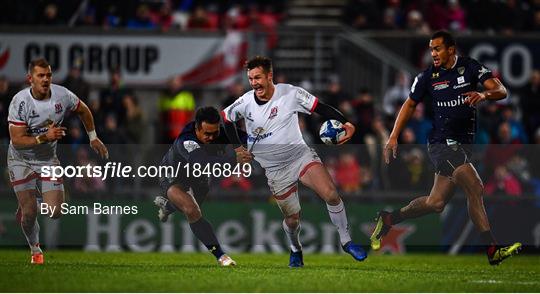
x: 349, y: 132
x: 473, y: 98
x: 390, y: 148
x: 100, y: 148
x: 55, y: 133
x: 243, y: 155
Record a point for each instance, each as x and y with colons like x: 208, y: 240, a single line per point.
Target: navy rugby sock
x: 203, y: 230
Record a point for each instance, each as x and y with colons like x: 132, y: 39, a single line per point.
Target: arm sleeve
x: 72, y: 101
x: 232, y: 134
x: 480, y: 71
x: 17, y: 112
x: 329, y: 112
x: 304, y: 101
x: 234, y: 112
x: 419, y: 88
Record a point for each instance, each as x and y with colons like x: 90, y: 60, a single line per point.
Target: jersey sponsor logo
x: 273, y: 112
x: 483, y: 71
x: 440, y: 85
x: 251, y: 138
x: 461, y: 80
x: 57, y: 108
x: 461, y: 70
x: 38, y: 130
x: 461, y: 86
x: 21, y: 110
x: 33, y: 114
x: 452, y: 103
x: 191, y: 146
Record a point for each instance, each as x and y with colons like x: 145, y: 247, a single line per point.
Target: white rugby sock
x: 338, y: 216
x: 32, y: 237
x: 292, y: 235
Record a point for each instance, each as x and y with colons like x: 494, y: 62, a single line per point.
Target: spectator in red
x: 503, y: 182
x: 348, y: 173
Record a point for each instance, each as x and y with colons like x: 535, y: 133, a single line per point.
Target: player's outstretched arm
x: 405, y: 113
x: 329, y: 112
x: 88, y: 121
x: 494, y: 90
x: 242, y: 154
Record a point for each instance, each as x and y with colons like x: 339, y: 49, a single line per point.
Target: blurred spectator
x: 164, y: 17
x: 456, y: 17
x: 374, y: 146
x: 361, y: 111
x: 348, y: 173
x: 234, y: 91
x: 420, y: 125
x: 416, y: 23
x: 515, y: 16
x: 50, y: 15
x: 142, y: 19
x: 502, y: 149
x: 530, y: 103
x: 135, y: 125
x: 75, y: 82
x: 6, y: 94
x: 99, y: 116
x: 112, y: 18
x: 393, y: 16
x: 361, y: 14
x: 516, y: 127
x: 489, y: 118
x: 396, y: 94
x: 437, y: 15
x: 410, y: 170
x: 112, y: 134
x: 503, y: 182
x: 242, y: 183
x: 177, y: 107
x: 111, y: 97
x: 334, y: 95
x: 236, y: 19
x: 199, y: 19
x: 87, y: 184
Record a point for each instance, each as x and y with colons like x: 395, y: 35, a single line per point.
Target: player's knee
x: 331, y: 195
x: 292, y: 221
x: 192, y: 213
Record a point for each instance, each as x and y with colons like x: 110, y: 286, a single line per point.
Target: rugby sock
x: 489, y: 241
x: 292, y: 235
x: 203, y: 230
x: 395, y: 217
x: 338, y: 216
x: 32, y: 237
x: 170, y: 206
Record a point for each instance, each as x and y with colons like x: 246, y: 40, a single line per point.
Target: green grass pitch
x: 76, y: 271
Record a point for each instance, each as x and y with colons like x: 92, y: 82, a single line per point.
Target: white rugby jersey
x: 38, y: 115
x: 276, y: 123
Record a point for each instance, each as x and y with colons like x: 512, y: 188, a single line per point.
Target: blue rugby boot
x: 355, y: 250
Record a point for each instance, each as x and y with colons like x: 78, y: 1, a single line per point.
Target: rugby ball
x: 331, y: 132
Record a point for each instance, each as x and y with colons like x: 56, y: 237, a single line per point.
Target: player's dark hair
x: 207, y: 114
x: 262, y: 61
x: 41, y: 62
x: 448, y: 39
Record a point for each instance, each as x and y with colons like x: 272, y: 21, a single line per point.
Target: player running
x: 199, y: 142
x: 451, y: 83
x: 270, y: 113
x: 35, y: 116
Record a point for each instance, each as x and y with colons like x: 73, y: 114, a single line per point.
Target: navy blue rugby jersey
x: 187, y: 149
x: 453, y: 119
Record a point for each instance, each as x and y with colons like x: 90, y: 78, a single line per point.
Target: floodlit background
x: 144, y: 67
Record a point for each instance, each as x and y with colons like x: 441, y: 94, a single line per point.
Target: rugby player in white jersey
x: 35, y: 116
x: 274, y: 138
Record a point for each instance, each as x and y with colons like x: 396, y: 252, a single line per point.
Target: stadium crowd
x: 505, y: 129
